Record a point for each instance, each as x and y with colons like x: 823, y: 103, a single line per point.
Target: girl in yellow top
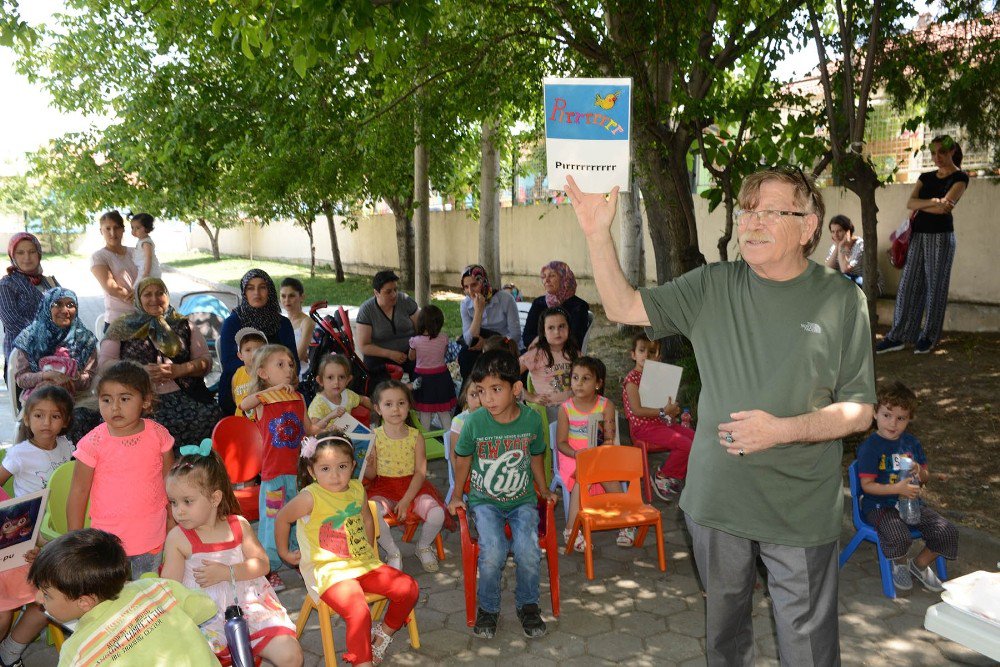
x: 398, y: 474
x: 340, y: 533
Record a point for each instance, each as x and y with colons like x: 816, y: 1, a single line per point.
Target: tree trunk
x: 307, y: 224
x: 338, y: 265
x: 864, y: 183
x: 633, y: 254
x: 669, y: 205
x: 213, y: 237
x: 489, y: 204
x: 422, y: 238
x: 726, y: 183
x: 402, y: 212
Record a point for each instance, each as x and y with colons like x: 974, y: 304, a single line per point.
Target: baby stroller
x: 206, y: 311
x: 333, y: 335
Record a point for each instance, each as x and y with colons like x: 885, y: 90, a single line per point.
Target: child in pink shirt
x: 434, y: 390
x: 549, y: 361
x: 120, y: 469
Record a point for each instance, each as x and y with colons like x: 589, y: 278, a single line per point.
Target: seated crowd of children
x: 179, y: 522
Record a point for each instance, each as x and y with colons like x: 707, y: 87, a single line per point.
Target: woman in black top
x: 927, y: 272
x: 560, y: 292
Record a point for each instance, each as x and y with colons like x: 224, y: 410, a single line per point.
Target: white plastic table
x: 964, y: 629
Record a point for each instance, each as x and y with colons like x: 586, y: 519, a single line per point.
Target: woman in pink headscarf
x: 22, y: 288
x: 560, y: 291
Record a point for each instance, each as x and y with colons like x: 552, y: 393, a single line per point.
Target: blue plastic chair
x: 446, y: 439
x: 866, y: 533
x: 557, y: 479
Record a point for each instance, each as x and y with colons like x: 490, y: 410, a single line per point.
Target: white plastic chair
x: 586, y: 336
x: 557, y: 479
x: 99, y: 327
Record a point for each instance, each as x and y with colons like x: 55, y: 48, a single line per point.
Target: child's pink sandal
x: 380, y: 643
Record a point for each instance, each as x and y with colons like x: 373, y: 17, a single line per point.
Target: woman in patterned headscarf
x: 176, y: 357
x: 22, y: 288
x: 485, y: 312
x: 560, y: 292
x: 260, y: 309
x: 57, y: 348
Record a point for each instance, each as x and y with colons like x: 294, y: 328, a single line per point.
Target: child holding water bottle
x: 882, y: 458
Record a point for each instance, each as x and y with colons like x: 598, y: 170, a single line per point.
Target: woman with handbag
x: 923, y: 287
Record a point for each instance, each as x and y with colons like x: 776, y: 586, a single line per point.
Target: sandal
x: 579, y: 544
x: 380, y: 642
x: 428, y: 558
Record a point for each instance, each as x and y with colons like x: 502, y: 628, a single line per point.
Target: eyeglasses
x: 768, y: 217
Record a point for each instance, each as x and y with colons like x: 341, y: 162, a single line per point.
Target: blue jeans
x: 494, y: 547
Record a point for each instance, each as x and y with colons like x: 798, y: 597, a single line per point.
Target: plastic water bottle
x: 686, y: 418
x: 237, y: 631
x: 909, y: 508
x: 238, y: 637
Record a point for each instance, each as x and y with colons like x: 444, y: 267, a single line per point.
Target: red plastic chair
x: 238, y: 443
x: 470, y: 557
x: 611, y: 510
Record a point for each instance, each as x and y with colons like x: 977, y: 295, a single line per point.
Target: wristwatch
x: 665, y: 417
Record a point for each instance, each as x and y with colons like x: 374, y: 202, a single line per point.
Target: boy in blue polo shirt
x: 500, y: 451
x: 879, y: 472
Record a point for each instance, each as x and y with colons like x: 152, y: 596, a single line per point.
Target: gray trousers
x: 923, y: 288
x: 803, y: 586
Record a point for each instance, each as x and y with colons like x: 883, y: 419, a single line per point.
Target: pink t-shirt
x: 430, y: 351
x: 552, y: 381
x: 123, y: 269
x: 128, y: 497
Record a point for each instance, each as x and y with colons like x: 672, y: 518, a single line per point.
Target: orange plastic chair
x: 238, y: 443
x: 610, y: 510
x: 470, y: 557
x: 314, y: 602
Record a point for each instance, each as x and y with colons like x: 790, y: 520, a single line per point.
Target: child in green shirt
x: 84, y: 575
x: 500, y: 452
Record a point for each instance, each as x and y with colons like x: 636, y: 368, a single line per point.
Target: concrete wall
x: 530, y: 236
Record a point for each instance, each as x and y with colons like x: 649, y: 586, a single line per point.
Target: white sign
x: 588, y: 127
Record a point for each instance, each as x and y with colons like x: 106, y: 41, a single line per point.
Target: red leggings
x: 347, y: 598
x: 675, y: 438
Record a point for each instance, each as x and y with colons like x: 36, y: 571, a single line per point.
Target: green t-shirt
x: 787, y: 348
x: 152, y: 622
x: 501, y: 457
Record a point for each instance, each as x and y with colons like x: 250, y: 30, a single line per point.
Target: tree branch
x: 824, y: 74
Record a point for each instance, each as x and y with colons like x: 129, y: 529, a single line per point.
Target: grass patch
x: 354, y: 291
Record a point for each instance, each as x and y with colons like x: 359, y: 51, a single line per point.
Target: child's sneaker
x: 277, y: 583
x: 579, y: 544
x: 926, y: 577
x: 901, y: 577
x: 666, y: 488
x: 428, y: 558
x: 531, y: 621
x: 486, y: 624
x: 626, y: 537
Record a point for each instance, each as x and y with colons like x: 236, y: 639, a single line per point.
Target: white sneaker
x: 926, y: 577
x: 901, y: 577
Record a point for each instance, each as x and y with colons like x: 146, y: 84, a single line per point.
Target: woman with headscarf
x: 176, y: 356
x: 57, y: 348
x: 485, y: 312
x: 559, y: 283
x: 260, y: 309
x: 22, y: 288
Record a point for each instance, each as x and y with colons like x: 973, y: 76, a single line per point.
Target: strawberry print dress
x: 337, y: 543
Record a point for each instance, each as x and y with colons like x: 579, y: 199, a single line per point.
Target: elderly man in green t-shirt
x: 784, y: 352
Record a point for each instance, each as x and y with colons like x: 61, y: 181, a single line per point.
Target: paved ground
x: 631, y: 613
